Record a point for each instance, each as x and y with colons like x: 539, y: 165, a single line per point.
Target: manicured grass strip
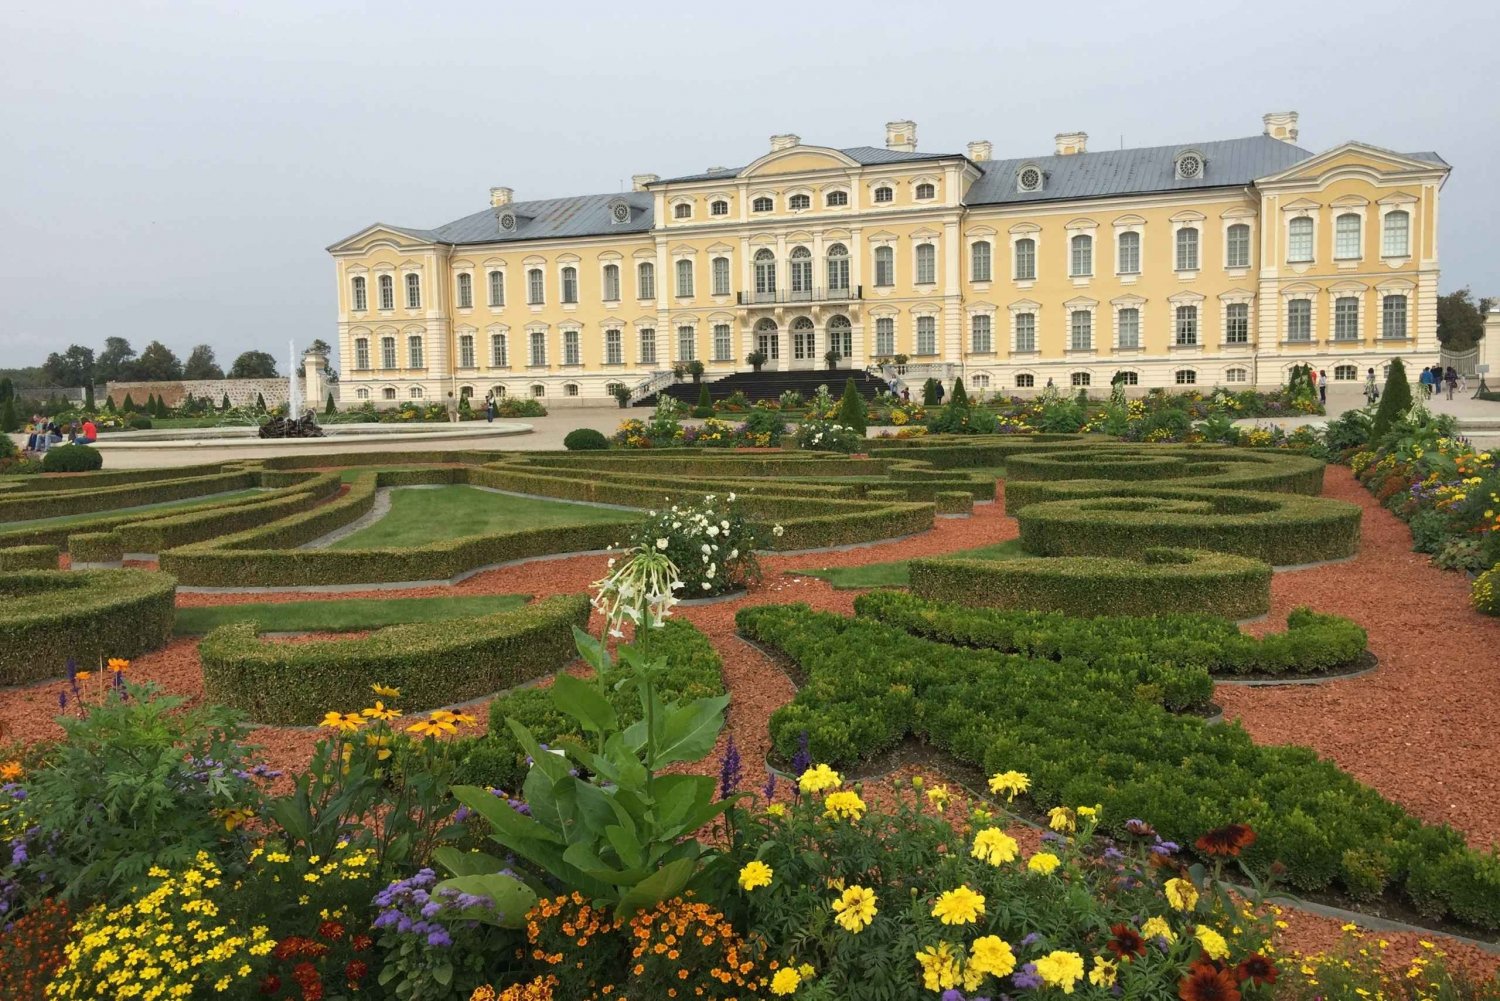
x: 419, y: 517
x: 66, y: 521
x: 344, y: 615
x: 896, y: 573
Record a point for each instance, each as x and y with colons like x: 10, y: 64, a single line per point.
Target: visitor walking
x: 1463, y: 382
x: 939, y: 392
x: 1437, y: 379
x: 1451, y: 378
x: 489, y: 406
x: 1426, y: 380
x: 1372, y: 391
x: 1322, y: 387
x: 452, y: 409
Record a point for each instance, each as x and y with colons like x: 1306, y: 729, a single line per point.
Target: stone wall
x: 241, y: 391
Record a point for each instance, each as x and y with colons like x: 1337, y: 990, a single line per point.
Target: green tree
x: 960, y: 397
x: 1460, y: 320
x: 224, y: 405
x: 331, y: 407
x: 114, y: 362
x: 253, y: 365
x: 129, y: 405
x: 109, y: 405
x: 157, y: 363
x: 260, y: 403
x: 201, y: 364
x: 8, y: 420
x: 150, y: 404
x: 73, y: 368
x: 929, y: 393
x: 7, y: 389
x: 852, y: 407
x: 1395, y: 401
x: 88, y: 397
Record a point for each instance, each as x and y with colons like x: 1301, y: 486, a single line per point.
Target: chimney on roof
x: 1281, y: 125
x: 901, y: 136
x: 785, y: 141
x: 981, y: 150
x: 638, y: 182
x: 1069, y: 143
x: 501, y: 196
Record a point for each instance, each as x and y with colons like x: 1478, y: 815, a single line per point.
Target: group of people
x: 1435, y: 378
x: 42, y: 434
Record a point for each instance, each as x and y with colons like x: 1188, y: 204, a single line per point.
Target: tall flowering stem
x: 639, y: 589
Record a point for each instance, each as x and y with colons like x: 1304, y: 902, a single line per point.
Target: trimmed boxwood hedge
x: 432, y: 663
x: 55, y: 504
x: 692, y: 670
x: 955, y: 502
x: 1161, y: 580
x: 1091, y: 737
x: 170, y: 530
x: 48, y: 617
x: 1312, y: 642
x: 105, y: 522
x: 1281, y: 529
x: 28, y: 558
x: 95, y: 547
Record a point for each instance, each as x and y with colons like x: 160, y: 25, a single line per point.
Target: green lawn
x: 894, y: 574
x: 206, y: 500
x: 346, y: 614
x: 422, y: 516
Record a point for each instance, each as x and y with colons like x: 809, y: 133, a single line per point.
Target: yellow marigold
x: 776, y: 810
x: 785, y: 981
x: 844, y: 804
x: 1009, y: 783
x: 1181, y: 894
x: 1157, y: 927
x: 855, y: 909
x: 993, y: 955
x: 958, y: 907
x: 819, y: 778
x: 994, y: 846
x: 1060, y: 969
x: 1214, y: 946
x: 940, y: 969
x: 755, y: 874
x: 1105, y: 972
x: 1060, y: 818
x: 1089, y: 812
x: 938, y: 797
x: 1044, y: 863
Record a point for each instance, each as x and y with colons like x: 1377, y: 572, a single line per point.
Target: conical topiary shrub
x: 852, y: 412
x: 1394, y: 401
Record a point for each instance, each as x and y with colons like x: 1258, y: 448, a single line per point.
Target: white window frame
x: 1311, y: 235
x: 927, y: 328
x: 1386, y: 295
x: 1081, y: 318
x: 412, y: 283
x: 567, y: 283
x: 723, y: 338
x: 389, y: 359
x: 609, y: 281
x: 359, y: 294
x: 362, y: 354
x: 1081, y: 255
x: 645, y: 280
x: 1386, y: 212
x: 1310, y: 299
x: 885, y: 261
x: 842, y: 196
x: 1134, y: 232
x: 416, y: 351
x: 1187, y: 323
x: 466, y: 351
x: 614, y: 346
x: 924, y: 263
x: 572, y: 347
x: 464, y: 291
x: 718, y: 207
x: 1342, y: 250
x: 837, y: 267
x: 1236, y: 373
x: 981, y: 261
x: 646, y: 345
x: 798, y: 201
x: 1229, y: 322
x: 1120, y: 306
x: 499, y: 349
x: 1191, y: 380
x: 720, y: 275
x: 885, y: 336
x: 1340, y: 314
x: 1180, y: 241
x: 890, y: 194
x: 536, y: 286
x: 1031, y: 235
x: 1230, y: 262
x: 982, y: 333
x: 1025, y: 317
x: 762, y: 203
x: 687, y: 341
x: 386, y: 284
x: 497, y: 287
x: 536, y: 348
x: 682, y: 276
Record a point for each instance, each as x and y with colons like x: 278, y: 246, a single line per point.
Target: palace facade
x: 1211, y: 263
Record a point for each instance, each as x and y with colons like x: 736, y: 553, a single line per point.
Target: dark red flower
x: 1257, y: 968
x: 1125, y: 942
x: 270, y: 984
x: 311, y: 982
x: 1207, y: 982
x: 331, y: 930
x: 1229, y: 840
x: 356, y: 972
x: 361, y: 942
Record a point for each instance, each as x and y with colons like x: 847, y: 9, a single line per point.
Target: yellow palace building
x: 1220, y: 262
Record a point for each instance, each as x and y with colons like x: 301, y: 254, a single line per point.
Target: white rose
x: 734, y: 554
x: 713, y: 531
x: 731, y: 498
x: 777, y: 531
x: 710, y: 572
x: 707, y: 586
x: 706, y: 550
x: 661, y: 543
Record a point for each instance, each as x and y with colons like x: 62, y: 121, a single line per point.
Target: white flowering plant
x: 827, y: 436
x: 709, y: 544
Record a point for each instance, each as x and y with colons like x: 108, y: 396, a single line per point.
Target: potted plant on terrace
x: 832, y: 358
x: 756, y: 359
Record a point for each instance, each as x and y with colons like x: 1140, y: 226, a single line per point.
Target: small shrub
x: 1394, y: 401
x: 72, y: 459
x: 852, y: 407
x: 710, y: 543
x: 827, y: 436
x: 705, y: 407
x: 585, y: 440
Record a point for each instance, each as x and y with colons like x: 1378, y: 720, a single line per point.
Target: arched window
x: 720, y: 274
x: 765, y: 274
x: 570, y: 284
x: 1346, y: 318
x: 361, y: 352
x: 1237, y: 375
x: 614, y: 348
x: 1299, y: 239
x: 837, y: 199
x: 466, y: 351
x: 762, y: 204
x: 570, y: 389
x: 415, y: 392
x: 465, y: 392
x: 1237, y: 246
x: 388, y: 393
x: 925, y: 191
x: 685, y: 278
x: 804, y: 339
x: 538, y: 390
x: 1025, y: 259
x: 767, y: 338
x: 838, y: 269
x: 499, y: 352
x: 719, y: 207
x: 465, y: 291
x: 497, y: 288
x: 1128, y: 255
x: 1185, y: 377
x: 388, y: 352
x: 1025, y: 380
x: 1080, y: 379
x: 884, y: 194
x: 885, y: 266
x: 1187, y: 249
x: 1394, y: 240
x: 1081, y: 330
x: 841, y: 336
x: 1299, y: 320
x: 611, y: 283
x: 981, y: 334
x: 499, y: 392
x: 413, y: 291
x: 926, y: 264
x: 1393, y: 318
x: 414, y: 351
x: 538, y: 348
x: 798, y: 202
x: 1346, y: 373
x: 1346, y: 237
x: 682, y: 210
x: 1126, y: 378
x: 1187, y: 326
x: 387, y: 292
x: 979, y: 261
x: 800, y: 266
x: 1129, y: 321
x: 645, y: 280
x: 1081, y: 259
x: 534, y: 286
x: 362, y: 394
x: 360, y: 299
x: 572, y: 348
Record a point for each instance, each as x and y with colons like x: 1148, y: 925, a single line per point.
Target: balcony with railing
x: 784, y: 296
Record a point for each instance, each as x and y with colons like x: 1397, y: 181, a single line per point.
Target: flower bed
x: 48, y: 618
x: 709, y: 542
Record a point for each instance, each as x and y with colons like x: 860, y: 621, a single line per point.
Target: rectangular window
x: 1393, y: 240
x: 614, y: 348
x: 499, y: 356
x: 1346, y: 237
x: 885, y: 266
x: 926, y: 264
x: 1081, y: 261
x: 684, y: 279
x: 645, y: 280
x: 539, y: 348
x: 611, y: 283
x: 465, y: 291
x: 1237, y: 246
x: 534, y: 286
x: 885, y: 336
x: 983, y: 343
x: 466, y: 351
x: 1346, y: 319
x: 723, y: 343
x: 1187, y: 326
x: 980, y: 262
x: 1299, y: 320
x: 497, y: 288
x: 361, y: 353
x: 571, y: 352
x: 1299, y: 239
x: 387, y: 292
x: 414, y: 352
x: 685, y: 343
x: 1130, y: 329
x: 1237, y: 323
x: 413, y: 292
x: 1026, y: 260
x: 926, y: 335
x: 648, y: 346
x: 1082, y: 331
x: 1130, y: 254
x: 360, y: 299
x: 1025, y: 332
x: 721, y: 276
x: 569, y: 284
x: 388, y: 352
x: 1187, y: 249
x: 1393, y: 317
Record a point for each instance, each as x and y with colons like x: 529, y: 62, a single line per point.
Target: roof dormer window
x: 1190, y: 165
x: 761, y: 204
x: 799, y: 202
x: 682, y: 210
x: 926, y: 190
x: 1029, y: 178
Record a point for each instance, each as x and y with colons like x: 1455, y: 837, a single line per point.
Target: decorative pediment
x: 1127, y: 301
x: 1354, y: 158
x: 799, y: 159
x: 382, y: 234
x: 721, y: 248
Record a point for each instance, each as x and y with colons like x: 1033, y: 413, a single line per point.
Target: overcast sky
x: 174, y: 170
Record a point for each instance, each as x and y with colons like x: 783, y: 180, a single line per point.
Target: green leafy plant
x: 72, y: 459
x: 585, y: 439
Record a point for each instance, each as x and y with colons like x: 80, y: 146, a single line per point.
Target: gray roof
x: 866, y: 156
x: 1113, y: 172
x: 580, y: 215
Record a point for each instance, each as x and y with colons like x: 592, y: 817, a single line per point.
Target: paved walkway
x: 1483, y: 414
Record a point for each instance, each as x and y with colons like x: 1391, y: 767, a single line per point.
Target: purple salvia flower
x: 729, y: 770
x: 1031, y: 939
x: 769, y: 791
x: 802, y: 760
